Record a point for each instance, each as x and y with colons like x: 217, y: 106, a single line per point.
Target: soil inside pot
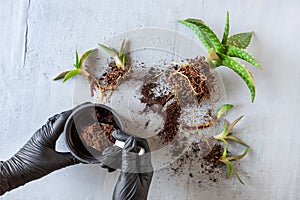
x: 97, y: 133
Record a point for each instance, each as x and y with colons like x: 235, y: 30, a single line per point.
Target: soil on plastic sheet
x: 149, y: 97
x: 209, y: 168
x: 199, y: 79
x: 171, y: 125
x: 110, y: 79
x: 98, y: 134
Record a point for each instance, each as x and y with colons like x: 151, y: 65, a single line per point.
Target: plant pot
x: 84, y: 118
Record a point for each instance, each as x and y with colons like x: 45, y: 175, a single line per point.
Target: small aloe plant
x: 119, y: 57
x: 221, y: 53
x: 226, y: 133
x: 230, y: 167
x: 78, y: 68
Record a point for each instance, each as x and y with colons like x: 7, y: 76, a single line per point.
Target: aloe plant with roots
x: 80, y: 70
x: 230, y: 167
x: 222, y: 52
x: 119, y: 57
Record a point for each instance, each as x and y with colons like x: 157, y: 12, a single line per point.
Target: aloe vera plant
x: 226, y: 133
x: 222, y: 52
x: 230, y: 167
x: 119, y: 57
x: 78, y: 68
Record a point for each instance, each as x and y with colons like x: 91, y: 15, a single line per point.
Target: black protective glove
x: 37, y: 157
x: 136, y: 171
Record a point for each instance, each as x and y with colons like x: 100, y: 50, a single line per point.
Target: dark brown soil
x: 112, y: 76
x: 193, y: 81
x: 214, y: 155
x: 98, y: 132
x: 149, y: 97
x: 171, y: 124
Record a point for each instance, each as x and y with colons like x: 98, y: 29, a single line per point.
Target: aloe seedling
x: 222, y: 52
x: 119, y: 57
x: 226, y: 133
x: 230, y: 167
x: 79, y: 69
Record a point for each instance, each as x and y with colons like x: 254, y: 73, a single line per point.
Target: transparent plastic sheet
x: 152, y: 54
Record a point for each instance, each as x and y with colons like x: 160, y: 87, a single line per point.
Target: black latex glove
x: 37, y: 157
x: 136, y: 171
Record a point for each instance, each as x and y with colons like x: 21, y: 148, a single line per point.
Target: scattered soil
x: 206, y: 171
x: 149, y: 97
x: 170, y: 130
x: 98, y: 132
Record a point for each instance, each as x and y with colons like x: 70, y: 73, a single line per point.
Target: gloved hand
x: 37, y: 157
x: 136, y: 171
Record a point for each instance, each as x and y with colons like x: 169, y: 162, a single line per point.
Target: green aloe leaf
x: 233, y: 51
x: 241, y: 71
x: 237, y: 174
x: 224, y: 154
x: 223, y: 140
x: 238, y: 157
x: 71, y: 74
x: 121, y: 53
x: 61, y: 75
x: 84, y: 56
x: 233, y: 124
x: 109, y: 50
x: 237, y: 140
x: 226, y: 30
x: 199, y: 33
x: 76, y: 65
x: 240, y: 40
x: 229, y: 167
x: 224, y: 108
x: 208, y: 32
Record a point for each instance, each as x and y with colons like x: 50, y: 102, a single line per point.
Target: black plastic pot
x: 80, y: 117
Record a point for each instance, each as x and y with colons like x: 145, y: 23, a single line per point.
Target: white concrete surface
x: 39, y: 38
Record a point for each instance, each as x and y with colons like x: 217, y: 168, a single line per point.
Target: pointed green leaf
x: 109, y: 50
x: 208, y: 33
x: 237, y: 140
x: 224, y: 108
x: 234, y: 158
x: 76, y: 65
x: 233, y: 124
x: 224, y: 131
x: 229, y: 167
x: 226, y: 29
x: 233, y: 51
x: 61, y: 75
x: 198, y: 32
x: 223, y: 140
x: 224, y: 154
x: 241, y: 71
x: 240, y: 40
x: 122, y: 48
x: 84, y: 56
x: 124, y: 59
x: 237, y: 174
x: 70, y: 74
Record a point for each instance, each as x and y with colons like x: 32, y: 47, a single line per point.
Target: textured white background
x: 38, y: 39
